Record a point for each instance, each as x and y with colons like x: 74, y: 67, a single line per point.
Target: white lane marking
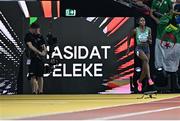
x: 136, y: 114
x: 166, y: 102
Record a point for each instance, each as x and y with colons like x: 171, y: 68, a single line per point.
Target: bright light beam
x: 9, y: 36
x: 24, y: 8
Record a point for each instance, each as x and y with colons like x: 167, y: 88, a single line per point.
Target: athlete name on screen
x: 79, y: 53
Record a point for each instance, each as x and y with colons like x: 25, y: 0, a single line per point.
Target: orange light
x: 47, y: 8
x: 124, y: 46
x: 127, y: 64
x: 58, y: 8
x: 115, y: 22
x: 119, y: 25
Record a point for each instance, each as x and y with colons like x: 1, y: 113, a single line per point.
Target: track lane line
x: 135, y: 114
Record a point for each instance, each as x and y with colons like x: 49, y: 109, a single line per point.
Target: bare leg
x: 143, y: 72
x: 34, y: 84
x: 145, y: 65
x: 40, y: 83
x: 148, y: 68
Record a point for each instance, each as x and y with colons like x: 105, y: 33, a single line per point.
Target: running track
x: 168, y: 109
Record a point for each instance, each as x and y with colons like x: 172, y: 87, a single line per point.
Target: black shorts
x: 36, y: 68
x: 144, y: 48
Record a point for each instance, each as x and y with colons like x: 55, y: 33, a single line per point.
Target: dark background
x: 78, y: 31
x: 9, y: 69
x: 84, y: 8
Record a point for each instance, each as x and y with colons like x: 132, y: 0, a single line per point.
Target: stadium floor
x: 89, y: 107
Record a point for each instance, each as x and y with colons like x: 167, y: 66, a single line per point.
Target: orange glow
x: 58, y: 8
x: 124, y: 46
x: 115, y: 22
x: 122, y: 41
x: 130, y: 54
x: 47, y: 8
x: 132, y: 69
x: 127, y: 64
x: 119, y: 25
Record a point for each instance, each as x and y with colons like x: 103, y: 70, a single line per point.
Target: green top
x: 162, y: 6
x: 142, y: 36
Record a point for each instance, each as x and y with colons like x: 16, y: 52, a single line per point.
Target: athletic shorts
x: 36, y: 67
x: 144, y: 48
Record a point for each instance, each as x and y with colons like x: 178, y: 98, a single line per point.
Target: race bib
x: 28, y: 62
